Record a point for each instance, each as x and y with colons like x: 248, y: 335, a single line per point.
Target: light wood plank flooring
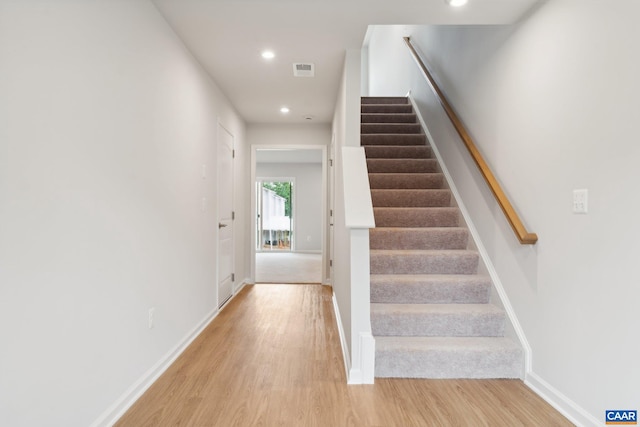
x: 272, y: 358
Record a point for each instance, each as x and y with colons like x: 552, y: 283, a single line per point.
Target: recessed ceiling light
x: 456, y: 3
x: 268, y: 54
x: 284, y: 110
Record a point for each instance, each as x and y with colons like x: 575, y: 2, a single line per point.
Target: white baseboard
x: 560, y: 402
x: 366, y: 373
x: 120, y: 406
x: 363, y: 374
x: 343, y: 341
x: 117, y: 410
x: 240, y: 286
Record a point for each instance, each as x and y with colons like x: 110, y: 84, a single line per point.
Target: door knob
x: 220, y: 225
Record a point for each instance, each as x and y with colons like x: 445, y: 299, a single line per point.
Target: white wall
x: 276, y: 134
x: 552, y: 103
x: 307, y: 200
x: 105, y: 123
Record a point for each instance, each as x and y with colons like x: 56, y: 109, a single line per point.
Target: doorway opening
x: 288, y: 242
x: 274, y: 215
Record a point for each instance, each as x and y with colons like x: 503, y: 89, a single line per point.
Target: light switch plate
x: 152, y: 313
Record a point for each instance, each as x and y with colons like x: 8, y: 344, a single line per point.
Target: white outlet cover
x: 581, y: 201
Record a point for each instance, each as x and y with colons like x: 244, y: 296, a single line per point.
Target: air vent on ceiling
x: 303, y: 70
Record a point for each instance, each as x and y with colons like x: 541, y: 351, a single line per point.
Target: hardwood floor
x: 272, y: 358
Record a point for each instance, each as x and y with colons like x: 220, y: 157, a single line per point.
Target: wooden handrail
x: 525, y: 237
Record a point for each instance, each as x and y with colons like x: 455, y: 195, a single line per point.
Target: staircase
x: 430, y: 309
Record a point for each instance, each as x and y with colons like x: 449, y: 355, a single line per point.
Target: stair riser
x: 397, y: 152
x: 416, y: 217
x: 405, y: 181
x: 438, y: 325
x: 390, y: 128
x: 430, y: 293
x: 402, y: 165
x: 387, y: 118
x: 384, y: 100
x: 447, y: 364
x: 410, y: 198
x: 415, y: 238
x: 393, y: 139
x: 386, y: 108
x: 407, y: 263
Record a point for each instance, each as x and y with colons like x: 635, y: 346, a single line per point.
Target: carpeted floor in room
x: 288, y: 267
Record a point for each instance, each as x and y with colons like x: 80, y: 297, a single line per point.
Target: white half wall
x: 353, y: 218
x: 552, y: 104
x: 106, y: 126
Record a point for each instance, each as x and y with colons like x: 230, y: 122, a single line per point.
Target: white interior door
x: 225, y: 215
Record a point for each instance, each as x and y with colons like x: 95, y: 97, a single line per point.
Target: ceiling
x: 227, y: 37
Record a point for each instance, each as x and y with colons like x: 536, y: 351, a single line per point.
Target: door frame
x: 252, y: 185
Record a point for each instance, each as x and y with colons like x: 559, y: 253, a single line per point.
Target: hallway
x: 272, y: 357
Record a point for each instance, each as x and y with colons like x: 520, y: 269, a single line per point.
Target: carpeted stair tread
x: 393, y: 139
x: 386, y: 108
x: 384, y: 100
x: 384, y: 261
x: 448, y: 357
x: 418, y: 238
x: 416, y: 217
x: 397, y: 152
x: 430, y: 288
x: 410, y: 198
x: 437, y: 320
x: 402, y: 165
x: 390, y: 128
x: 406, y: 180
